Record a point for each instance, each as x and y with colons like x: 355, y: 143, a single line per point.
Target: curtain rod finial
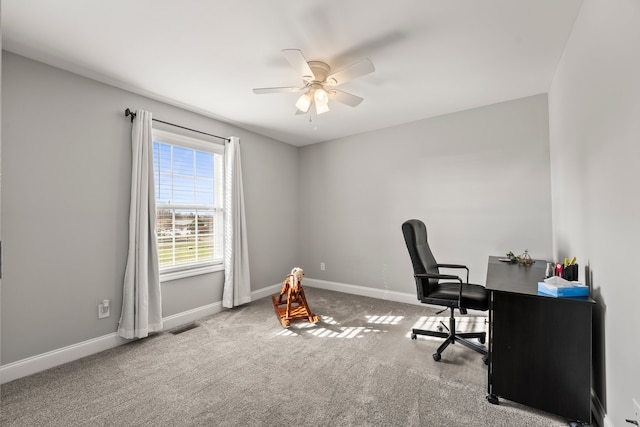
x: 128, y: 113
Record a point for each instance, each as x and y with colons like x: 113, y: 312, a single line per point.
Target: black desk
x: 539, y: 347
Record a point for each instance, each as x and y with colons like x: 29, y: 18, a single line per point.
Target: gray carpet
x: 357, y: 367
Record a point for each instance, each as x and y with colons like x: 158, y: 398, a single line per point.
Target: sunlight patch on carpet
x: 384, y: 320
x: 328, y: 327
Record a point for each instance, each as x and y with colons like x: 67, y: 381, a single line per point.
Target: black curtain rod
x: 128, y: 113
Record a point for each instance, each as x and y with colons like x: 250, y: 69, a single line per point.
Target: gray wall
x: 65, y: 196
x: 0, y: 186
x: 479, y: 179
x: 594, y: 106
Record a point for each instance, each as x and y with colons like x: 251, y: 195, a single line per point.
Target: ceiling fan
x: 319, y: 82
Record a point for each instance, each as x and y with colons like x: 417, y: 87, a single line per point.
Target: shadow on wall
x: 598, y: 358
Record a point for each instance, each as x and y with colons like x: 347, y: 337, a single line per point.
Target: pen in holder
x: 570, y: 273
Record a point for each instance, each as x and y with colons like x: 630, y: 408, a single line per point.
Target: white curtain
x: 141, y: 304
x: 237, y: 283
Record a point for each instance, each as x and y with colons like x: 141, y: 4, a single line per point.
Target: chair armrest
x: 452, y: 266
x: 455, y: 266
x: 438, y: 276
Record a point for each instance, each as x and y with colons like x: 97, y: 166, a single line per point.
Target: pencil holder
x: 570, y: 273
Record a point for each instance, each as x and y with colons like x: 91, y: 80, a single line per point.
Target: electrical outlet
x: 104, y: 309
x: 322, y: 266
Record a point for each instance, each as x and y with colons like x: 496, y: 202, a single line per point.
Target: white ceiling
x: 432, y: 57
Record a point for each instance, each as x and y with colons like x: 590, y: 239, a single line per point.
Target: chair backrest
x: 415, y: 236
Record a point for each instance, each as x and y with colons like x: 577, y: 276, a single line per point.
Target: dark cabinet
x: 539, y: 347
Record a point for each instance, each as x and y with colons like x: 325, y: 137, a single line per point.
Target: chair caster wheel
x: 482, y: 340
x: 493, y: 399
x: 436, y: 357
x: 440, y: 329
x: 414, y: 336
x: 485, y: 359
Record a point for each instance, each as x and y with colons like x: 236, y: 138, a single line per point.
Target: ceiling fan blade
x: 344, y: 98
x: 261, y: 90
x: 351, y: 72
x: 299, y: 63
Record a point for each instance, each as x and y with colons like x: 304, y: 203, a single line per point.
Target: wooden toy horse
x: 295, y: 306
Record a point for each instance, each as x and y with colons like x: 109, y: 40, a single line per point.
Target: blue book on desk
x: 558, y: 287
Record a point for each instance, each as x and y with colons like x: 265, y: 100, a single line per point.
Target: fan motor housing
x: 320, y: 70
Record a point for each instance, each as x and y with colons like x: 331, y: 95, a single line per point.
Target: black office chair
x: 443, y: 289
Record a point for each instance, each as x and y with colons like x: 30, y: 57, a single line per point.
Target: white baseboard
x: 189, y: 316
x: 40, y: 362
x: 265, y: 292
x: 383, y: 294
x: 50, y: 359
x: 341, y: 287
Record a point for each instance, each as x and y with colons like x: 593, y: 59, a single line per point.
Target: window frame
x: 194, y: 269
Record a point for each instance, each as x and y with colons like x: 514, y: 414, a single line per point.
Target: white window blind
x: 188, y: 188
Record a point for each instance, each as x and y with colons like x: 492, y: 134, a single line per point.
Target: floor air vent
x: 184, y: 328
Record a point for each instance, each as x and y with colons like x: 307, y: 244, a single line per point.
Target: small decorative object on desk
x: 525, y: 258
x: 550, y: 270
x: 510, y: 257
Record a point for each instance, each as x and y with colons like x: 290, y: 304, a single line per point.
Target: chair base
x: 451, y: 337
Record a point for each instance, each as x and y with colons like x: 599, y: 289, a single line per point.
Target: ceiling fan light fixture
x: 304, y: 102
x: 322, y: 108
x: 320, y: 96
x: 321, y: 99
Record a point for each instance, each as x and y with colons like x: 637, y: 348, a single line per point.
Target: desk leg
x: 492, y: 398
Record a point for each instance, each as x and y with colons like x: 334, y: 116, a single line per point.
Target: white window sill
x: 189, y: 272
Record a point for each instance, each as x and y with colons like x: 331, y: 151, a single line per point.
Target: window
x: 188, y: 187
